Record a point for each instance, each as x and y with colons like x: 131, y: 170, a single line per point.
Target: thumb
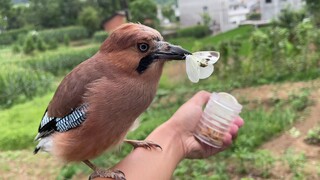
x: 201, y: 98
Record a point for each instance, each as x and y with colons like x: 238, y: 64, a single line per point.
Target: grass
x: 18, y: 125
x: 242, y: 33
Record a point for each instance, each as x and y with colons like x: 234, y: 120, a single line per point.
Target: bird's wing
x: 49, y: 125
x: 67, y: 108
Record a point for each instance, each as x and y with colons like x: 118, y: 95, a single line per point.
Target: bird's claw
x: 114, y: 174
x: 145, y: 144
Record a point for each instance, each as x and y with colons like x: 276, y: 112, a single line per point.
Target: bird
x: 96, y: 103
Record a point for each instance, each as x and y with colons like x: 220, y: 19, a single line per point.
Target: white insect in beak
x: 199, y: 65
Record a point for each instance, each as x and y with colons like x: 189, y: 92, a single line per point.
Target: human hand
x: 185, y: 121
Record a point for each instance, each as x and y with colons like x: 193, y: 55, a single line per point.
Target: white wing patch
x: 199, y: 65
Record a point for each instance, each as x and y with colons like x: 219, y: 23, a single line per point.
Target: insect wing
x: 210, y: 56
x: 205, y: 72
x: 192, y: 68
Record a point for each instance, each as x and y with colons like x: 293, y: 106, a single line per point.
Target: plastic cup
x: 220, y: 111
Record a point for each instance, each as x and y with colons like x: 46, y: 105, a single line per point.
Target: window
x: 205, y: 8
x: 268, y: 1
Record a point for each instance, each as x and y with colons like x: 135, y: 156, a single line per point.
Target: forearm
x: 154, y: 164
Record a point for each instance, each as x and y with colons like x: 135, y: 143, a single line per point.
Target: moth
x: 199, y: 65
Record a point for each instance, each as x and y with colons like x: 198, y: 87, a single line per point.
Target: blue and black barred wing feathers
x: 50, y: 125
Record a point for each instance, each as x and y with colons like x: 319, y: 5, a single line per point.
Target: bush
x: 29, y: 45
x: 89, y: 18
x: 52, y: 44
x: 16, y: 48
x: 59, y: 63
x: 100, y: 36
x: 195, y: 31
x: 9, y: 37
x: 66, y: 40
x: 18, y: 83
x: 58, y: 34
x: 41, y: 45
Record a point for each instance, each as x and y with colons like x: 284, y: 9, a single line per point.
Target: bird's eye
x: 143, y: 47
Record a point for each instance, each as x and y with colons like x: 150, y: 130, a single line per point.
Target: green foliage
x: 29, y: 45
x: 52, y: 44
x: 60, y: 62
x: 254, y: 16
x: 41, y: 45
x: 313, y: 136
x: 313, y: 7
x: 18, y: 84
x: 89, y: 18
x: 149, y: 15
x: 100, y: 36
x: 19, y: 124
x: 67, y: 172
x: 66, y: 40
x: 300, y: 101
x: 54, y: 13
x: 259, y: 163
x: 8, y: 37
x: 168, y: 12
x: 206, y: 19
x: 296, y: 162
x: 16, y: 48
x: 58, y: 34
x: 195, y: 31
x: 290, y: 19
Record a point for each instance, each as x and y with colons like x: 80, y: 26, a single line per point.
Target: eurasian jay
x: 98, y: 101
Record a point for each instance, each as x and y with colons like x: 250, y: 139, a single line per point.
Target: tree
x: 89, y: 18
x: 145, y: 12
x: 289, y: 19
x: 206, y: 19
x: 46, y: 13
x: 168, y: 12
x: 70, y: 10
x: 313, y: 7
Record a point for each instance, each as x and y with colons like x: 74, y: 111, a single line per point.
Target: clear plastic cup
x: 220, y: 111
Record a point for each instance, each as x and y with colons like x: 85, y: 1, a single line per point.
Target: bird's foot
x: 144, y: 144
x: 114, y: 174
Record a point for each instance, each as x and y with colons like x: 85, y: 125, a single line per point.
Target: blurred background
x: 270, y: 61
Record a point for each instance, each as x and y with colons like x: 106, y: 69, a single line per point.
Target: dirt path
x: 279, y: 145
x: 281, y: 91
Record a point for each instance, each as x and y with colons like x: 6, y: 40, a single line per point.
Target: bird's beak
x: 168, y: 51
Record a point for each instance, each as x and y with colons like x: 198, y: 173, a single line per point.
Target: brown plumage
x: 117, y: 84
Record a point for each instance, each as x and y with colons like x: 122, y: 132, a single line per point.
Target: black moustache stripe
x: 145, y: 62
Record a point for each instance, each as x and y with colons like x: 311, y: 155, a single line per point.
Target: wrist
x: 169, y: 137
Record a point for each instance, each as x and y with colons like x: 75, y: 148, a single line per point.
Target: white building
x: 228, y: 14
x: 225, y: 14
x: 270, y: 9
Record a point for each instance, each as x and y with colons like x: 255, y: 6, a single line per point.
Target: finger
x: 233, y: 130
x: 201, y: 98
x: 238, y: 121
x: 227, y: 141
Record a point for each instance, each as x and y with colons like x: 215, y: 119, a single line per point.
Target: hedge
x: 194, y: 31
x: 59, y: 63
x: 73, y: 32
x: 19, y: 83
x: 9, y: 37
x: 100, y: 36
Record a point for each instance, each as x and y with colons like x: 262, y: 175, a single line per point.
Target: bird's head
x: 138, y: 48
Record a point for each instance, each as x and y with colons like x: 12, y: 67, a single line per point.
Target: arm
x: 176, y: 139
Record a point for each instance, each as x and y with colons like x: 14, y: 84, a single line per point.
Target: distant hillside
x: 19, y: 1
x: 165, y: 1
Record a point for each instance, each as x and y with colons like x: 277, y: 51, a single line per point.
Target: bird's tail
x: 135, y: 125
x: 36, y: 150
